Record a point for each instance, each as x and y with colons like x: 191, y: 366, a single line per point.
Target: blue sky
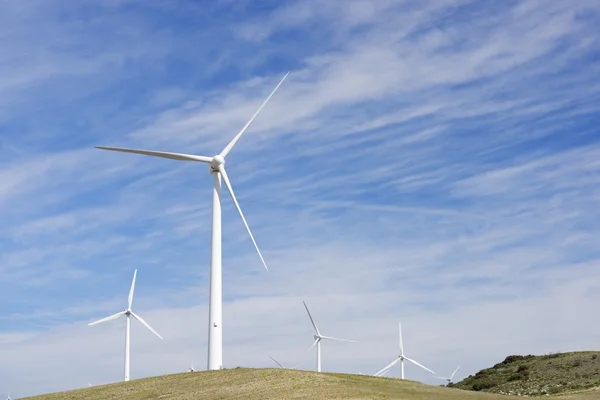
x: 435, y: 162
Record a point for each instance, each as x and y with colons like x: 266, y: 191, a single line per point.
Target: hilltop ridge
x: 271, y: 384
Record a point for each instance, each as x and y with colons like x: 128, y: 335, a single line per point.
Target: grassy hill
x: 266, y: 384
x: 538, y: 375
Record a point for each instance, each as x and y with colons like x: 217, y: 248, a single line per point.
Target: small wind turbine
x: 278, y: 363
x: 8, y: 398
x: 451, y: 376
x: 318, y: 338
x: 192, y: 368
x: 400, y: 359
x: 217, y: 169
x: 128, y: 313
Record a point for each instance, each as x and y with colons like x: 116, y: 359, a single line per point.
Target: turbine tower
x: 400, y: 359
x: 217, y: 169
x: 128, y: 313
x: 318, y: 338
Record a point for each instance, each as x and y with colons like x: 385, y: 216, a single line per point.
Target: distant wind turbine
x: 128, y: 313
x: 217, y: 169
x: 278, y: 363
x: 318, y: 338
x: 192, y: 368
x: 451, y: 376
x: 400, y: 359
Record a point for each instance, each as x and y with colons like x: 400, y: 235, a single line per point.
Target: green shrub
x: 515, y: 377
x: 483, y: 385
x: 522, y: 368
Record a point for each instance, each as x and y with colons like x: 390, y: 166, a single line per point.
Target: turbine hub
x: 216, y: 163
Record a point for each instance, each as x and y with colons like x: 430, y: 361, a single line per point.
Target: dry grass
x: 265, y: 384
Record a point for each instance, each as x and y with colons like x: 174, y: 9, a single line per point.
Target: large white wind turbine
x: 318, y: 338
x: 400, y: 359
x: 217, y: 169
x: 449, y: 379
x: 128, y: 313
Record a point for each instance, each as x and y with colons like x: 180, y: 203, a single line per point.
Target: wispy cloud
x: 431, y: 161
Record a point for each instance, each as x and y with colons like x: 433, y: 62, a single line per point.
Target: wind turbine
x: 217, y: 169
x: 192, y: 368
x: 318, y: 338
x: 128, y: 313
x: 451, y: 376
x: 400, y: 359
x: 278, y: 363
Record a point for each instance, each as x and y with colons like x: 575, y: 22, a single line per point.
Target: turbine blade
x: 145, y: 323
x: 276, y: 362
x: 114, y: 316
x: 311, y: 320
x: 228, y: 148
x: 313, y: 345
x: 452, y: 376
x: 339, y: 340
x: 130, y: 300
x: 228, y: 184
x: 400, y: 341
x: 162, y: 154
x: 387, y: 367
x: 420, y: 365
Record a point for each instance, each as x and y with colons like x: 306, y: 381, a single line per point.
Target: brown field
x: 266, y: 384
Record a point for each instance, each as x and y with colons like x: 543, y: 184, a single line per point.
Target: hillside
x: 266, y: 384
x: 538, y: 375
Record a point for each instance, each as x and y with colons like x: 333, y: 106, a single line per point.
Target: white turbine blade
x: 311, y: 320
x: 276, y: 362
x: 420, y: 365
x: 162, y: 154
x: 400, y: 341
x: 387, y: 367
x: 339, y: 340
x: 384, y: 370
x: 228, y: 184
x: 145, y: 323
x: 452, y: 376
x: 130, y: 299
x: 228, y: 148
x: 313, y: 345
x: 114, y: 316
